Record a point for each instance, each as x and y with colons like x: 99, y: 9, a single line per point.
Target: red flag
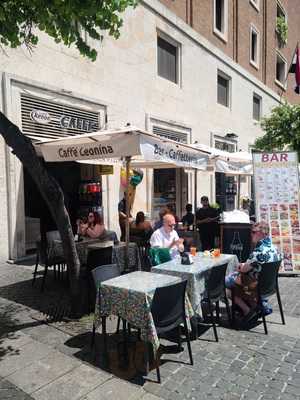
x: 297, y: 72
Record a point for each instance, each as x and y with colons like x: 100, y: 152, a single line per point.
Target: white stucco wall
x: 124, y: 77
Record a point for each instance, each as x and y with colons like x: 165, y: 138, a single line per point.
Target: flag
x: 295, y: 68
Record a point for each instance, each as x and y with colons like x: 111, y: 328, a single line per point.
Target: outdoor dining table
x: 196, y: 273
x: 118, y: 252
x: 129, y: 297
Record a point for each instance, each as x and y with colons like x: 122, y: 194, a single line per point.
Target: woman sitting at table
x: 141, y: 228
x: 93, y: 228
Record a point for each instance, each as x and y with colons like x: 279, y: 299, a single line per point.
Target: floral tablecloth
x: 130, y: 296
x: 118, y: 253
x: 196, y: 273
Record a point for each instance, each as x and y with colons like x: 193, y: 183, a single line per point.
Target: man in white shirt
x: 166, y: 236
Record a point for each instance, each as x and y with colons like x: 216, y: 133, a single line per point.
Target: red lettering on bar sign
x: 274, y: 157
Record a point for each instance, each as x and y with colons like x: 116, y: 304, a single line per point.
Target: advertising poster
x: 276, y: 183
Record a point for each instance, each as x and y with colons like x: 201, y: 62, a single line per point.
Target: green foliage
x: 282, y: 29
x: 63, y: 20
x: 282, y: 129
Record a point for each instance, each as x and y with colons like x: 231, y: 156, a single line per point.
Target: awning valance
x: 146, y: 148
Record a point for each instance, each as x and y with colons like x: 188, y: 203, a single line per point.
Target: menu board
x: 276, y: 183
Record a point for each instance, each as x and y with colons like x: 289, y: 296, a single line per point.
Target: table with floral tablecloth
x: 118, y: 253
x: 130, y: 296
x: 196, y: 273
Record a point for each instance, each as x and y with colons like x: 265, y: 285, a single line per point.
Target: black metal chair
x: 267, y: 285
x: 215, y: 291
x: 97, y: 257
x: 168, y: 312
x: 101, y: 274
x: 46, y: 259
x: 143, y: 249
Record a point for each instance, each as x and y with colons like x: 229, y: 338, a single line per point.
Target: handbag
x: 159, y: 255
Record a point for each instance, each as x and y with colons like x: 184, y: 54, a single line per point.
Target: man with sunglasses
x: 244, y: 280
x: 166, y: 236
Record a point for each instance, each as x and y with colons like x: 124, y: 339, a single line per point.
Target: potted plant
x: 282, y: 30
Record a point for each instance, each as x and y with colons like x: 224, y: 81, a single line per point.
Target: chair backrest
x: 105, y: 272
x: 168, y: 305
x: 52, y: 235
x: 97, y: 257
x: 159, y: 255
x: 267, y: 278
x: 215, y: 282
x: 143, y: 249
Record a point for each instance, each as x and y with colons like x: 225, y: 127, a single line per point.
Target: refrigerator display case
x: 90, y: 197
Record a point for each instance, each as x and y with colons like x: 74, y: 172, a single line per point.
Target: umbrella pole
x: 238, y: 192
x: 128, y: 160
x: 195, y: 191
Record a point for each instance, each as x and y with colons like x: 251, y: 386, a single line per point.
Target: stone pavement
x: 48, y: 361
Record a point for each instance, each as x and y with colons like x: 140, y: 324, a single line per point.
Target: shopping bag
x: 159, y: 255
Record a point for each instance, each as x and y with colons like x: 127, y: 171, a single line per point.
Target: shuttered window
x: 170, y: 134
x: 167, y: 59
x: 256, y: 107
x: 46, y: 119
x: 223, y: 90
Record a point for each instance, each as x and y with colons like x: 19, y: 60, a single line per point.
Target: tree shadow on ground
x: 8, y: 330
x: 24, y: 293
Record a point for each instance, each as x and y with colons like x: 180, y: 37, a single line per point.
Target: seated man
x: 167, y: 237
x: 244, y: 280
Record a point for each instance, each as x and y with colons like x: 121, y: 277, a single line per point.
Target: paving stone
x: 73, y: 385
x: 43, y: 371
x: 8, y: 391
x: 149, y: 396
x: 23, y: 356
x: 116, y: 389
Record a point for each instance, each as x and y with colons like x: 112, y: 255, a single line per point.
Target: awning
x: 237, y: 163
x: 145, y: 149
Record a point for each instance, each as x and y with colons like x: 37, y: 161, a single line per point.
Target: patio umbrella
x: 138, y: 147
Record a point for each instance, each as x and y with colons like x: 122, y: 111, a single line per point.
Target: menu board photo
x: 276, y: 183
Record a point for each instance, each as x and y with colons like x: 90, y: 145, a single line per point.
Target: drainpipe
x: 236, y: 56
x: 7, y: 175
x: 191, y: 13
x: 264, y: 70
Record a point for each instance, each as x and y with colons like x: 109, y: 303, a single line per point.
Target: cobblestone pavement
x: 243, y: 365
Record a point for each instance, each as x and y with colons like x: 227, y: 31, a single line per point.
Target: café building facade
x: 161, y: 76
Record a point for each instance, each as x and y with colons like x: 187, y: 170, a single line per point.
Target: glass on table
x: 193, y: 251
x: 216, y: 252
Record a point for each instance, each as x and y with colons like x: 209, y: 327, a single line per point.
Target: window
x: 221, y: 18
x: 254, y: 47
x: 230, y: 146
x: 280, y: 11
x: 255, y: 4
x: 167, y: 59
x: 223, y: 89
x: 256, y: 107
x: 280, y: 70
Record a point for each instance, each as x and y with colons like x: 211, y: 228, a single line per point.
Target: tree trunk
x: 53, y: 195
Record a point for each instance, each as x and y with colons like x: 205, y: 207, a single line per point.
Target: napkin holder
x: 186, y: 258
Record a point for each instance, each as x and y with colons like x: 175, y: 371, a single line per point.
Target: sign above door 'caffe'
x: 81, y: 124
